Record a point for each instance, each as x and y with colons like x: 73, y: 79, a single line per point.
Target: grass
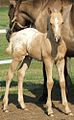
x: 34, y: 75
x: 4, y: 17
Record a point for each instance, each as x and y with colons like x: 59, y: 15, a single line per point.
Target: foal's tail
x: 9, y: 48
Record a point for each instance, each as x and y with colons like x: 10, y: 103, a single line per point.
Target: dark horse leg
x: 67, y: 76
x: 43, y: 98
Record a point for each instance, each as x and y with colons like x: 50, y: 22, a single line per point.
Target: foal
x: 37, y: 45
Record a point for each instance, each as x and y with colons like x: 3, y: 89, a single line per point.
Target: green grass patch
x: 4, y: 22
x: 3, y: 46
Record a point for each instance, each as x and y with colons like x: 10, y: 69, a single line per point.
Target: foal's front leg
x: 21, y: 74
x: 48, y: 66
x: 60, y: 65
x: 8, y: 81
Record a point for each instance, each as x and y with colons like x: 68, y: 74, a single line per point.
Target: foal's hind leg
x: 60, y: 65
x: 21, y: 74
x: 8, y: 81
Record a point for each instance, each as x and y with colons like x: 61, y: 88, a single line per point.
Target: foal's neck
x: 51, y: 38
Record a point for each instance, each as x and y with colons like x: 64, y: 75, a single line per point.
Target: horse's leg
x: 41, y: 25
x: 21, y: 74
x: 48, y: 66
x: 60, y: 65
x: 8, y: 81
x: 67, y: 76
x: 45, y: 93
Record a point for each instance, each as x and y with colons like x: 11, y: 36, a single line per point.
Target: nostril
x: 58, y: 39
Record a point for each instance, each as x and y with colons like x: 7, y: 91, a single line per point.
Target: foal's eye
x: 62, y: 22
x: 50, y: 23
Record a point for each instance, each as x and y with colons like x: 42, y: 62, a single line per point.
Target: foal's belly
x: 35, y: 52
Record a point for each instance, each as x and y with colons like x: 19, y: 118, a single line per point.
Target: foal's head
x: 56, y: 21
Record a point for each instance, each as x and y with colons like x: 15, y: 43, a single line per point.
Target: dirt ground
x: 36, y: 110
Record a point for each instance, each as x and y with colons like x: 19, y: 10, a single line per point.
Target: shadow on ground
x: 36, y: 90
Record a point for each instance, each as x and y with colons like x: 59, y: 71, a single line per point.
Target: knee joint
x: 62, y: 84
x: 50, y: 84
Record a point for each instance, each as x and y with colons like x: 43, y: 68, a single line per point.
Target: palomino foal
x: 37, y: 45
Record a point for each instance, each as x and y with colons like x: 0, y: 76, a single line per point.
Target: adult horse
x: 23, y: 13
x: 68, y: 28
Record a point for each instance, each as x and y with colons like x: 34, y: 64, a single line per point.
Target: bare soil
x: 36, y: 110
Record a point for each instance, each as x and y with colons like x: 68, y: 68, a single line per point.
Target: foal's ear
x: 49, y: 11
x: 12, y: 2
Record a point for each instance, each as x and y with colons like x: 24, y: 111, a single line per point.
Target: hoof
x: 22, y: 105
x: 5, y: 110
x: 51, y: 115
x: 26, y: 109
x: 70, y: 114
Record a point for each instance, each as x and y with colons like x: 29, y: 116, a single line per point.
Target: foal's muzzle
x: 58, y: 39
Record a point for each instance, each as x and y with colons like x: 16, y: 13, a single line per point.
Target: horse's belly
x: 70, y: 48
x: 70, y: 53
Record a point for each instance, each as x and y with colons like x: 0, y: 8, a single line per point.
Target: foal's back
x: 32, y: 42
